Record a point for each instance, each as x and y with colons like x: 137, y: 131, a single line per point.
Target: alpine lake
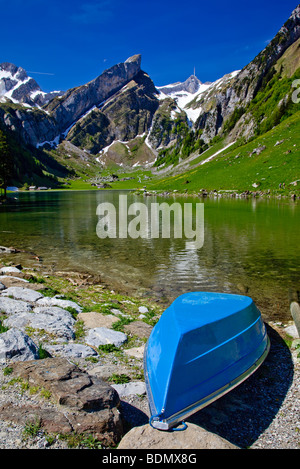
x: 251, y: 246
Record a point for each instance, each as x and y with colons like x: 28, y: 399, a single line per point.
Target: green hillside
x: 260, y: 165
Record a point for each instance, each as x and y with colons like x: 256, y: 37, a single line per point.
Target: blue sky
x: 66, y: 43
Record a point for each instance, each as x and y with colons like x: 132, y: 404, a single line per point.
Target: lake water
x: 250, y: 246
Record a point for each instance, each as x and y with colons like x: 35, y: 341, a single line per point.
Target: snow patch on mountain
x: 191, y: 91
x: 16, y: 86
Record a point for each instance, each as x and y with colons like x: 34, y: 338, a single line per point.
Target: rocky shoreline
x: 71, y: 372
x: 205, y: 193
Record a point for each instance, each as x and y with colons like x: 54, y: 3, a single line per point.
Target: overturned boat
x: 204, y: 345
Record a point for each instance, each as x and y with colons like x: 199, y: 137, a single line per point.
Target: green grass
x: 209, y: 152
x: 235, y: 169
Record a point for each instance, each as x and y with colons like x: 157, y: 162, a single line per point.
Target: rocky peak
x: 18, y: 87
x: 76, y: 102
x: 191, y: 85
x: 18, y: 72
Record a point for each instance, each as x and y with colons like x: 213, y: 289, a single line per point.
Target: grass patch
x: 241, y: 168
x: 119, y: 379
x: 108, y: 348
x: 3, y: 328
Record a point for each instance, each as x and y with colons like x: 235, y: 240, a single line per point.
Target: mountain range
x: 122, y: 118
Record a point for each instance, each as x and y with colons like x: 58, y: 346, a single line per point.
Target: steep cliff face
x: 33, y: 125
x: 127, y: 114
x: 67, y: 109
x: 38, y: 125
x: 243, y: 88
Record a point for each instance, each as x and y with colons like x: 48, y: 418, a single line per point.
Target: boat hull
x: 204, y: 345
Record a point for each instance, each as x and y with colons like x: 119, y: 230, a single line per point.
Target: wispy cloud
x: 96, y: 12
x: 40, y: 73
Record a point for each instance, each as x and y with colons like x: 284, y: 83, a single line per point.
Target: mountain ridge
x: 123, y: 105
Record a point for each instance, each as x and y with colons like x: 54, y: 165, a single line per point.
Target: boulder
x: 292, y: 331
x: 139, y: 328
x: 5, y: 250
x: 57, y: 312
x: 22, y: 293
x: 17, y: 346
x: 12, y: 281
x: 130, y: 389
x: 193, y: 437
x: 49, y: 420
x: 70, y: 350
x: 106, y: 371
x: 10, y: 306
x: 92, y: 320
x: 10, y: 270
x: 295, y: 311
x: 53, y: 301
x: 103, y: 335
x: 89, y: 403
x: 136, y: 352
x: 52, y: 320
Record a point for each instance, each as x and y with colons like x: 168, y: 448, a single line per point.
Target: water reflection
x: 250, y: 246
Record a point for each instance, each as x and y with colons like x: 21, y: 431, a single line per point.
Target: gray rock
x: 292, y: 331
x: 295, y: 311
x: 78, y: 101
x: 60, y: 313
x: 130, y: 389
x: 25, y: 294
x: 102, y: 336
x: 10, y: 270
x: 51, y: 320
x: 53, y: 301
x: 143, y: 309
x: 17, y: 346
x: 106, y: 371
x: 2, y: 287
x: 10, y: 306
x: 194, y: 437
x: 11, y: 277
x: 71, y: 351
x: 6, y: 250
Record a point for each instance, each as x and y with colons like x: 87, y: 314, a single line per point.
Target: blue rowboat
x: 204, y: 345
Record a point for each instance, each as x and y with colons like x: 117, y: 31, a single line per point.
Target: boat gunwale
x: 173, y: 420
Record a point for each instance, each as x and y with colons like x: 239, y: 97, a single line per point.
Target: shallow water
x: 250, y: 246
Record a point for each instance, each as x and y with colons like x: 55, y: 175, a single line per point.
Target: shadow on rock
x: 132, y: 416
x: 243, y: 414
